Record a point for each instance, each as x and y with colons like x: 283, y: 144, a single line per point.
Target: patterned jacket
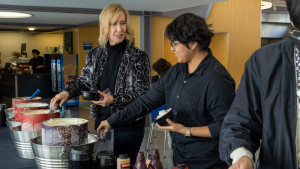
x: 132, y: 81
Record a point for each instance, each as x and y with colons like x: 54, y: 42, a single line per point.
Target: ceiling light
x: 266, y: 5
x: 31, y: 28
x: 14, y: 15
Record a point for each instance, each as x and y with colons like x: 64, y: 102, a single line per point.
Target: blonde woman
x: 121, y: 70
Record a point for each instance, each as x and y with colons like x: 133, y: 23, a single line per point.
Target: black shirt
x: 108, y: 78
x: 34, y: 62
x: 201, y: 98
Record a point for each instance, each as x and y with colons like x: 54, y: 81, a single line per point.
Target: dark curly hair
x: 35, y: 51
x: 188, y: 28
x: 161, y: 66
x: 293, y: 7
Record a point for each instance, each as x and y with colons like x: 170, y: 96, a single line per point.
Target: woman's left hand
x: 105, y: 101
x: 175, y: 127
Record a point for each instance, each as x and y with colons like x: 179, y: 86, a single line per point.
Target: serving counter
x: 8, y: 153
x: 13, y: 85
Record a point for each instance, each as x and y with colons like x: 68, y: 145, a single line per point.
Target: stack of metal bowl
x: 10, y: 121
x: 47, y: 157
x: 9, y: 112
x: 22, y: 141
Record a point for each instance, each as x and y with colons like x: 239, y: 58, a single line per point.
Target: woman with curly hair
x: 198, y: 89
x: 161, y: 66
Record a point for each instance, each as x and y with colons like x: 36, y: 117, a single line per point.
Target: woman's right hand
x: 243, y: 163
x: 62, y: 96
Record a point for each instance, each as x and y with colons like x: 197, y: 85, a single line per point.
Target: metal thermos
x: 2, y: 115
x: 106, y: 160
x: 80, y: 158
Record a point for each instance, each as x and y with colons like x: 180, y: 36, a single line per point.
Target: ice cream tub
x: 65, y: 132
x: 28, y: 106
x: 18, y: 100
x: 32, y: 119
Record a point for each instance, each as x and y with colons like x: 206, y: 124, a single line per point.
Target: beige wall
x: 240, y: 22
x: 158, y: 25
x: 11, y: 42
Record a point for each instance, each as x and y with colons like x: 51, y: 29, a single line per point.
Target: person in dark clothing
x: 265, y: 112
x: 120, y: 72
x: 198, y: 89
x: 37, y: 62
x: 161, y: 66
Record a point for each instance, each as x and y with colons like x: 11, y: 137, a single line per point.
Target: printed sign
x: 87, y: 45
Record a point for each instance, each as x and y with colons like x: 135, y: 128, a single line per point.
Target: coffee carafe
x: 106, y: 160
x: 80, y: 158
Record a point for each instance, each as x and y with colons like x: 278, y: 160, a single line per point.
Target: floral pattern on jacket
x: 132, y: 81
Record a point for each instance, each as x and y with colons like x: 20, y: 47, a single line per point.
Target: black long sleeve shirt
x: 201, y: 98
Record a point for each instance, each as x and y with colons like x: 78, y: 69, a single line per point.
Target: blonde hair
x: 108, y: 16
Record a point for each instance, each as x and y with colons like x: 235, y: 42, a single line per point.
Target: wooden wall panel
x: 158, y: 25
x: 239, y: 19
x: 242, y: 20
x: 219, y: 47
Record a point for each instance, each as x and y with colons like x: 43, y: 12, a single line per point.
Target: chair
x: 154, y: 113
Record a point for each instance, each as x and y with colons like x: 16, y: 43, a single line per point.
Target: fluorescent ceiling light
x: 266, y: 5
x: 14, y: 15
x: 31, y: 28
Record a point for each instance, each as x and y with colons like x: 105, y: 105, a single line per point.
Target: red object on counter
x: 32, y: 119
x: 181, y: 166
x: 140, y: 161
x: 28, y: 106
x: 18, y: 100
x: 155, y: 160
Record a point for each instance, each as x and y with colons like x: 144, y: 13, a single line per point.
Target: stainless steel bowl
x: 9, y: 112
x: 10, y: 121
x: 57, y: 156
x: 22, y: 141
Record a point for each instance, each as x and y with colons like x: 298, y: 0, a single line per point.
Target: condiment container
x: 140, y: 161
x: 123, y: 162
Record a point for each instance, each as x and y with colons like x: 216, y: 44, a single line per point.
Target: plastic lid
x: 106, y: 155
x: 123, y: 156
x: 80, y: 150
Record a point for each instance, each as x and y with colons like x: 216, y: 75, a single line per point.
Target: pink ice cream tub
x: 28, y: 106
x: 18, y: 100
x: 32, y: 119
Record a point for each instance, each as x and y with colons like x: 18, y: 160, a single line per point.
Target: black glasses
x: 173, y: 44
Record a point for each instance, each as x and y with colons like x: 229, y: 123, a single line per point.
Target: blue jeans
x: 128, y: 142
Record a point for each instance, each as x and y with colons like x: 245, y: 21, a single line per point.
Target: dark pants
x: 128, y: 142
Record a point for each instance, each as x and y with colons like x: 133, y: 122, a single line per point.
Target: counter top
x: 8, y: 153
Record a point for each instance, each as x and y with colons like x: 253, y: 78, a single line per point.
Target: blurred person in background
x: 161, y: 66
x: 37, y: 62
